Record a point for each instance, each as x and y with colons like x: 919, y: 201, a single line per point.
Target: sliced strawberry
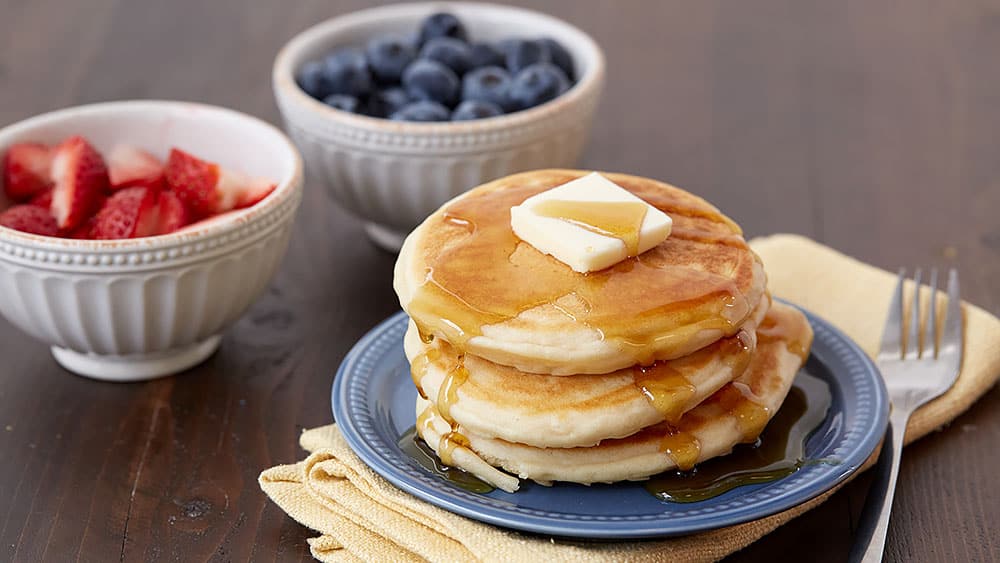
x: 129, y: 213
x: 236, y: 190
x: 207, y: 188
x: 43, y: 199
x: 254, y: 191
x: 27, y: 170
x: 30, y: 219
x: 80, y: 177
x: 130, y: 166
x: 194, y: 181
x: 83, y: 231
x: 173, y: 214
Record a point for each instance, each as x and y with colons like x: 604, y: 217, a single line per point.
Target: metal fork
x: 917, y: 366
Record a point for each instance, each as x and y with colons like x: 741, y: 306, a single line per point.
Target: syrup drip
x: 738, y: 351
x: 479, y: 273
x: 736, y: 399
x: 464, y: 224
x: 449, y: 442
x: 666, y: 389
x: 448, y: 392
x: 669, y: 391
x: 425, y: 337
x: 780, y: 450
x: 739, y: 401
x: 682, y: 447
x: 419, y: 366
x: 616, y: 219
x: 446, y: 397
x: 425, y: 419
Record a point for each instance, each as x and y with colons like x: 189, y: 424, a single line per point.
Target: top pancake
x: 463, y: 275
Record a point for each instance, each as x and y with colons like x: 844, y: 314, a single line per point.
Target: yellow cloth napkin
x: 363, y: 517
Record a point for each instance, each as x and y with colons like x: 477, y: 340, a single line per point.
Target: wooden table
x: 870, y: 126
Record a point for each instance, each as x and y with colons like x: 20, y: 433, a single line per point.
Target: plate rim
x: 614, y: 530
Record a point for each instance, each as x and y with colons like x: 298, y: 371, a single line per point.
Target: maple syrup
x: 616, y: 219
x: 420, y: 365
x: 446, y: 397
x: 448, y: 392
x: 667, y: 388
x: 779, y: 452
x: 414, y: 446
x: 682, y: 447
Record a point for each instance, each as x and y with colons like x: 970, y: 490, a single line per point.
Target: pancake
x: 496, y: 401
x: 464, y: 276
x: 735, y: 414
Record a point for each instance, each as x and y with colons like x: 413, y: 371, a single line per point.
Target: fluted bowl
x: 393, y: 174
x: 127, y: 310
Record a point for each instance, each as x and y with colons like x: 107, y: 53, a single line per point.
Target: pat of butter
x: 589, y: 223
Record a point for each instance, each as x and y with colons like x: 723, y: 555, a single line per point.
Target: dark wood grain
x: 870, y: 126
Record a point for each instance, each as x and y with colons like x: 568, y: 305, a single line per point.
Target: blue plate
x: 373, y: 403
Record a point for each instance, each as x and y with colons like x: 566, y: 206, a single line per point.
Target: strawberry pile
x: 72, y: 191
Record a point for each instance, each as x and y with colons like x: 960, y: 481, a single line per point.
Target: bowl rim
x: 283, y: 73
x: 229, y: 222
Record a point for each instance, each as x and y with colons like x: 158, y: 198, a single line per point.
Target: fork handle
x: 874, y: 525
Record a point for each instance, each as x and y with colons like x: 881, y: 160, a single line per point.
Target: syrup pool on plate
x: 414, y: 446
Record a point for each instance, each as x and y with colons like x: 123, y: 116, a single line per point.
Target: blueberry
x: 450, y: 52
x: 431, y: 80
x: 560, y: 56
x: 388, y: 56
x: 488, y: 84
x: 471, y: 109
x: 441, y: 24
x: 423, y: 110
x: 525, y: 52
x: 342, y: 102
x: 505, y: 46
x: 383, y: 103
x: 312, y: 79
x: 536, y: 85
x: 484, y: 54
x: 347, y: 73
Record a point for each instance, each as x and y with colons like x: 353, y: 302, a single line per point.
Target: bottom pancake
x: 735, y: 414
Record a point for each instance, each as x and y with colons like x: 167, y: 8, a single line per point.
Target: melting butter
x: 616, y: 219
x: 589, y: 223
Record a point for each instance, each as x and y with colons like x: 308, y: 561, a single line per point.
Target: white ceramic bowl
x: 128, y: 310
x: 394, y: 174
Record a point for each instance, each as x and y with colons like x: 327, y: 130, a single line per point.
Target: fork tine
x: 892, y: 334
x: 951, y: 336
x: 913, y: 335
x: 932, y: 346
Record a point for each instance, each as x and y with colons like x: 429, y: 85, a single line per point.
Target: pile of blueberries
x: 438, y: 75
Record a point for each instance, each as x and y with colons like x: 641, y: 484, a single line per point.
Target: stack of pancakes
x: 526, y: 368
